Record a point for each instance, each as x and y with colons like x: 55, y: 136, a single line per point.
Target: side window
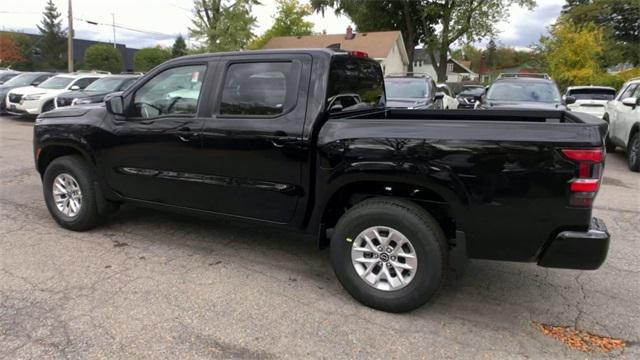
x: 40, y: 79
x: 125, y: 84
x: 173, y: 91
x: 628, y: 91
x: 84, y: 82
x: 262, y: 89
x: 636, y: 94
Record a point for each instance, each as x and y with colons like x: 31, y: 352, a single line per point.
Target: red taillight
x: 595, y: 155
x: 585, y: 186
x: 358, y: 53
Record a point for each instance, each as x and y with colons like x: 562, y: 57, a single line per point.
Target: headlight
x: 32, y: 96
x: 83, y: 101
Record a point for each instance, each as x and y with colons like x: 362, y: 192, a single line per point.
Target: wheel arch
x: 444, y: 207
x: 46, y: 154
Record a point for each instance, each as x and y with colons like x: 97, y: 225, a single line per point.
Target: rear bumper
x: 578, y: 250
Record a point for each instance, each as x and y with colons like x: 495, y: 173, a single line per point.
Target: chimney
x: 350, y: 34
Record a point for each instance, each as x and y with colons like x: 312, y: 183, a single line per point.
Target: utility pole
x: 70, y: 41
x: 113, y: 22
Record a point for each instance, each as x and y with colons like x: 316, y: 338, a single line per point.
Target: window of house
x: 449, y: 67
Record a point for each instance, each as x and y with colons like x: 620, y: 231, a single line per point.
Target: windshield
x: 106, y: 84
x: 7, y: 76
x: 406, y: 88
x: 471, y: 92
x: 592, y: 94
x: 22, y: 80
x: 56, y: 82
x: 524, y: 91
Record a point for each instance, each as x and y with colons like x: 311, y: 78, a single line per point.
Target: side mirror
x: 630, y: 101
x: 74, y: 87
x: 439, y: 96
x: 115, y: 105
x: 569, y: 99
x: 335, y: 108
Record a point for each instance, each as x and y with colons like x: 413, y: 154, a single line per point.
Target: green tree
x: 103, y: 57
x: 492, y: 48
x: 470, y: 20
x: 179, y: 47
x: 619, y: 20
x: 289, y: 21
x: 571, y: 54
x: 148, y: 58
x: 26, y: 46
x: 407, y: 16
x: 223, y: 25
x: 52, y: 45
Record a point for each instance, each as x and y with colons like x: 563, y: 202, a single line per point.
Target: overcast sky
x: 163, y: 20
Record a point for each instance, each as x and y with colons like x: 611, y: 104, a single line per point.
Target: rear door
x: 252, y: 142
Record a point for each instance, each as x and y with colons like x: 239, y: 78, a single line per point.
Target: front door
x: 155, y: 148
x: 253, y: 141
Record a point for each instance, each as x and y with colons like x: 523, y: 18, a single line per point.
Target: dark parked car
x: 469, y: 96
x: 522, y: 93
x: 23, y: 79
x: 96, y: 92
x: 395, y: 193
x: 412, y: 91
x: 6, y: 75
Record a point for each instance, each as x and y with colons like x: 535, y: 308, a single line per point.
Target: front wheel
x: 633, y: 152
x: 389, y: 254
x: 69, y: 192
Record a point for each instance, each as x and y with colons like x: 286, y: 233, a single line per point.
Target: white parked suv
x: 623, y: 116
x: 589, y: 99
x: 31, y: 100
x: 448, y: 100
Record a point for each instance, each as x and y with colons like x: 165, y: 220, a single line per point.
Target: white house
x: 387, y: 47
x: 457, y: 71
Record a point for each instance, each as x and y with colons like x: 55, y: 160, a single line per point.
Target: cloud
x: 525, y: 27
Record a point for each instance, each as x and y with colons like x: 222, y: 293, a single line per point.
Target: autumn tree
x: 52, y: 46
x: 9, y: 51
x: 469, y: 20
x: 620, y: 22
x: 288, y: 21
x: 179, y: 47
x: 407, y: 16
x: 103, y: 57
x: 571, y: 54
x: 223, y: 25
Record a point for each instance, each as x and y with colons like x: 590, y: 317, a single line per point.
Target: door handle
x: 280, y: 138
x: 185, y: 134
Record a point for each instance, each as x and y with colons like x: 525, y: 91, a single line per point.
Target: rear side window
x: 259, y: 89
x: 593, y: 94
x: 355, y: 78
x: 84, y: 82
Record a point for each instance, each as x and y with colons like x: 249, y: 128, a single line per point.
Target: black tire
x: 418, y: 226
x: 610, y: 146
x: 74, y: 165
x: 633, y: 152
x: 48, y: 106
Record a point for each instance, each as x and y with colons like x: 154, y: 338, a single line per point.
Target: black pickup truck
x: 395, y: 193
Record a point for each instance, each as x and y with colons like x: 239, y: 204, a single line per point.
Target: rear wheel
x: 389, y: 254
x: 633, y: 152
x: 69, y: 192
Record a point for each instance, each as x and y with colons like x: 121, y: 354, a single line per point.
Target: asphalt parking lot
x: 155, y: 285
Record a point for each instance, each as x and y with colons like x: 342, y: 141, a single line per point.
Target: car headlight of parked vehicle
x: 77, y: 101
x: 32, y: 96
